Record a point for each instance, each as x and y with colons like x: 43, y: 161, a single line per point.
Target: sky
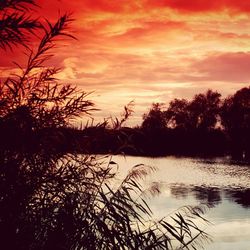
x: 151, y: 50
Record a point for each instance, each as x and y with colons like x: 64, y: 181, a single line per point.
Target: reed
x: 53, y: 199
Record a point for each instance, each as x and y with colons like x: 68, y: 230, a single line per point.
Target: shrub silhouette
x: 53, y: 199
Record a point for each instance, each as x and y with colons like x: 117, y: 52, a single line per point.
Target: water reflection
x: 208, y: 181
x: 208, y: 195
x: 241, y: 197
x: 222, y: 184
x: 211, y: 196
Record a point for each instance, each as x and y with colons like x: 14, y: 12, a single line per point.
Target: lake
x: 219, y: 182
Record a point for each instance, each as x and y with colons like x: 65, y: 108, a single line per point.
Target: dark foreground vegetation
x: 205, y: 126
x: 52, y: 197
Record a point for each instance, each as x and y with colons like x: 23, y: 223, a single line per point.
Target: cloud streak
x: 152, y: 51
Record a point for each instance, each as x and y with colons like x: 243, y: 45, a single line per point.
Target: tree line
x: 207, y: 125
x: 207, y: 115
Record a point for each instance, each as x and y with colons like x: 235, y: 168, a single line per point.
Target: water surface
x: 221, y: 183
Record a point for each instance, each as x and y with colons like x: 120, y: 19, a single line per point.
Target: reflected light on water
x: 221, y: 184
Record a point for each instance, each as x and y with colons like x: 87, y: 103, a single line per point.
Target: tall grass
x: 52, y: 199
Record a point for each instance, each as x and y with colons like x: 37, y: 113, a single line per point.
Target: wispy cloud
x: 152, y: 51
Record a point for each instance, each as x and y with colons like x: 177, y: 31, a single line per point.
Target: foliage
x: 205, y: 125
x: 34, y: 100
x: 176, y: 114
x: 204, y: 110
x: 235, y: 116
x: 236, y: 110
x: 15, y: 24
x: 155, y: 119
x: 200, y: 113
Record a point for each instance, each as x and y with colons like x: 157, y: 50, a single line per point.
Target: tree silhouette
x: 185, y: 127
x: 204, y: 110
x: 177, y: 114
x: 236, y: 110
x: 155, y: 119
x: 235, y: 114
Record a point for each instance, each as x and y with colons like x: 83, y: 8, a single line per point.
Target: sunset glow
x: 151, y: 51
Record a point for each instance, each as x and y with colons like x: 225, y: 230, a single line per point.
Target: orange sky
x: 153, y: 50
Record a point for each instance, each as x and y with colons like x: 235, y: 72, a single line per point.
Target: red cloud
x: 201, y: 5
x: 121, y: 6
x: 231, y: 67
x: 83, y: 6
